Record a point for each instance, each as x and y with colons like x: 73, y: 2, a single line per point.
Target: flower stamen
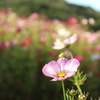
x: 61, y: 74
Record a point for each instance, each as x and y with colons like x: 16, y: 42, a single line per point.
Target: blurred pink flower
x: 84, y: 21
x: 75, y: 26
x: 61, y: 69
x: 54, y: 35
x: 8, y: 44
x: 79, y: 57
x: 14, y: 42
x: 34, y: 15
x: 2, y: 45
x: 91, y: 38
x: 96, y: 48
x: 67, y: 53
x: 24, y: 16
x: 72, y: 20
x: 6, y: 29
x: 60, y: 45
x: 43, y: 38
x: 19, y: 30
x: 52, y: 54
x: 21, y: 22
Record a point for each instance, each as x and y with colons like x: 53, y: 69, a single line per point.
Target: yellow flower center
x: 61, y: 74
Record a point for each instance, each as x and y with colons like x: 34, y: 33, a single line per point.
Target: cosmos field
x: 26, y: 46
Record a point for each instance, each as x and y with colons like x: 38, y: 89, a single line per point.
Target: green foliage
x: 79, y: 78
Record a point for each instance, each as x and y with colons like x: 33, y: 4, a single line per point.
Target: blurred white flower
x: 63, y: 32
x: 12, y: 17
x: 91, y: 21
x: 60, y: 45
x: 95, y: 57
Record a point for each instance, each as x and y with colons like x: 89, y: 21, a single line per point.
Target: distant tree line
x: 52, y: 8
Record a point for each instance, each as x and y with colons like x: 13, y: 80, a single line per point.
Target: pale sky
x: 94, y: 4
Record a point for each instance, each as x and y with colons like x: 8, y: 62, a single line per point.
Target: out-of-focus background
x: 28, y: 29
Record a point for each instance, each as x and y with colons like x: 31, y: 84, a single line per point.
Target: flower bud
x: 61, y: 55
x: 81, y: 97
x: 72, y: 91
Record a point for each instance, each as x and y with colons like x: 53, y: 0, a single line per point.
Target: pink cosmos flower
x: 2, y: 45
x: 61, y: 69
x: 91, y: 38
x: 72, y: 20
x: 35, y: 15
x: 60, y: 45
x: 7, y: 43
x: 79, y: 57
x: 21, y: 22
x: 84, y: 21
x: 52, y: 54
x: 96, y: 48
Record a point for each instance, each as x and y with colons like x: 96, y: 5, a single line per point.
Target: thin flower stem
x: 72, y: 97
x: 64, y: 95
x: 71, y: 55
x: 79, y: 89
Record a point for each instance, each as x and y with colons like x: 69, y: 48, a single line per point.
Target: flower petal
x: 55, y: 79
x: 58, y: 44
x: 69, y: 74
x: 72, y: 65
x: 70, y: 40
x: 62, y: 62
x: 51, y: 69
x: 58, y: 78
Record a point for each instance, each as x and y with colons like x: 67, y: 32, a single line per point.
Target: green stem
x: 64, y: 95
x: 71, y: 55
x: 79, y: 89
x: 72, y: 97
